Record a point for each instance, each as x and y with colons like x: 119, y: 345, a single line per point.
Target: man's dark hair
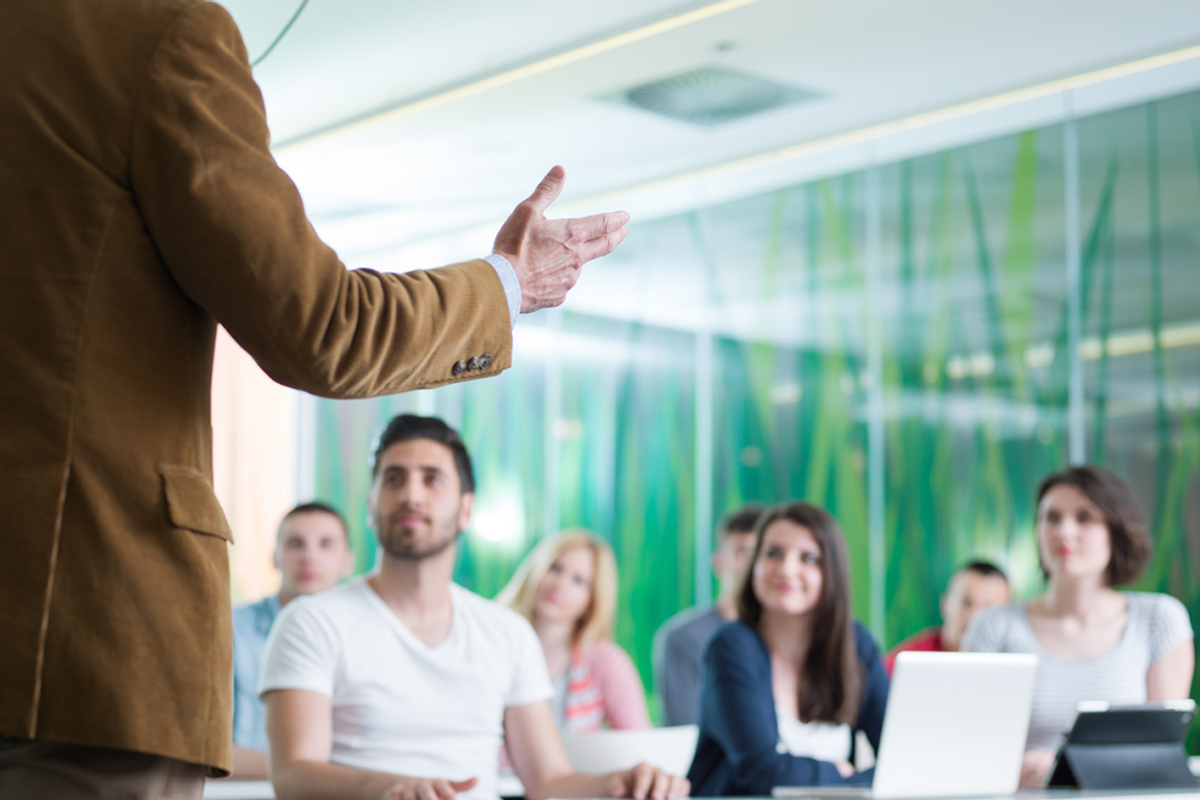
x: 985, y: 569
x: 316, y: 507
x: 1128, y: 540
x: 740, y: 521
x: 407, y: 427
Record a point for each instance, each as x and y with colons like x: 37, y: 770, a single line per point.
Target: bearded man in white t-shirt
x: 402, y: 685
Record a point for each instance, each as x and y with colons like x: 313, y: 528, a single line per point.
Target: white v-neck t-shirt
x: 399, y: 705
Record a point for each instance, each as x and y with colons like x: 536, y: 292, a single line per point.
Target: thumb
x: 549, y: 189
x: 463, y: 786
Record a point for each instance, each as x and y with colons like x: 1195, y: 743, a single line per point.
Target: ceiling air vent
x: 710, y: 96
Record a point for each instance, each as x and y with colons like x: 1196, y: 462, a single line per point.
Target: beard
x: 406, y: 543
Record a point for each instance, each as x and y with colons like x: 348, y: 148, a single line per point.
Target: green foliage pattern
x: 975, y: 375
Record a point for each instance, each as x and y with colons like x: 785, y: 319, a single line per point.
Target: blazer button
x: 472, y: 363
x: 485, y: 360
x: 459, y: 367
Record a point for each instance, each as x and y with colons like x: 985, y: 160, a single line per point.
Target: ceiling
x: 388, y: 190
x: 407, y: 178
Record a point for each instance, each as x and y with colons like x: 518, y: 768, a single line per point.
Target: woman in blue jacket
x: 789, y: 685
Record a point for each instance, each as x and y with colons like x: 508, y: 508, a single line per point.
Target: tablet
x: 1126, y: 747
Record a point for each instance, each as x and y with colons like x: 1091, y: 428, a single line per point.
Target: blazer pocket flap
x: 192, y: 504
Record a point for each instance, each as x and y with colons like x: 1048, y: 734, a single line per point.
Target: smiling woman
x: 567, y: 587
x: 788, y: 687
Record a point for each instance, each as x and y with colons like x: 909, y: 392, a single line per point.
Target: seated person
x: 312, y: 553
x: 679, y: 644
x: 403, y: 685
x: 789, y: 685
x: 567, y: 589
x: 976, y: 586
x: 1092, y: 642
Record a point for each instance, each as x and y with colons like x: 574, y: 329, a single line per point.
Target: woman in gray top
x: 1092, y: 642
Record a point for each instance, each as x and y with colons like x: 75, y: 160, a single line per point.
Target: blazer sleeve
x: 739, y: 712
x: 230, y: 227
x: 873, y: 702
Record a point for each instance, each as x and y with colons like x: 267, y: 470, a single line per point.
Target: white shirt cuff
x: 508, y: 279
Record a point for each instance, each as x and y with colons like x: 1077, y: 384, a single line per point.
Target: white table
x: 228, y: 789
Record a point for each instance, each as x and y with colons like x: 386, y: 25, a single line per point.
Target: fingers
x: 435, y: 789
x: 642, y: 779
x: 602, y: 246
x: 661, y: 785
x: 666, y: 786
x: 669, y: 787
x: 549, y: 189
x: 645, y: 782
x: 593, y: 227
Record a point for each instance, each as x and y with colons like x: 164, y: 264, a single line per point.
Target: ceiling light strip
x: 923, y: 120
x: 527, y: 71
x: 1127, y: 343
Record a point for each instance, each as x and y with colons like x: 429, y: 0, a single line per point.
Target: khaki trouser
x: 37, y: 768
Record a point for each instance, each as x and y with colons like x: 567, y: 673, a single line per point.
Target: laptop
x: 955, y: 726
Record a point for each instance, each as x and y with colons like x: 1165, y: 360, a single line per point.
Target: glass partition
x: 912, y: 321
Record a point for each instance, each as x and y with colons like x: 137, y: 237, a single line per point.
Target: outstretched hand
x: 547, y: 254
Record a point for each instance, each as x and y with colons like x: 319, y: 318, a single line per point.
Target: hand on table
x: 547, y: 254
x: 428, y: 789
x: 1035, y: 767
x: 645, y: 781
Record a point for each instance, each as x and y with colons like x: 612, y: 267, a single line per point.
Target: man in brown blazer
x: 139, y: 208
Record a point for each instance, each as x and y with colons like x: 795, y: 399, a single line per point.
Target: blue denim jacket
x: 251, y: 624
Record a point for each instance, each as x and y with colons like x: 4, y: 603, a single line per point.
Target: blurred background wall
x: 894, y: 344
x: 963, y: 251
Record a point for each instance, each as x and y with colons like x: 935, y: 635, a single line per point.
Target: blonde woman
x: 567, y: 589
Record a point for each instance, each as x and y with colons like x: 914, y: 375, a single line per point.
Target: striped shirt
x: 602, y: 688
x: 1157, y: 623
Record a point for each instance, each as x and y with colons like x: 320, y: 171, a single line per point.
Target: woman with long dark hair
x: 789, y: 685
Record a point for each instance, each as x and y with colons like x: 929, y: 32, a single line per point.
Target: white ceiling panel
x: 402, y: 180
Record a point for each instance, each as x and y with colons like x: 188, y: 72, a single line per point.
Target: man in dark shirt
x: 973, y: 588
x: 679, y: 643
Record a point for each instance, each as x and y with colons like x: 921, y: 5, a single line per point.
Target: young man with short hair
x: 974, y: 587
x: 312, y: 554
x: 402, y: 684
x: 679, y: 643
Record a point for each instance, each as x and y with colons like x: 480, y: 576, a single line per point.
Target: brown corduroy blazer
x: 139, y: 207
